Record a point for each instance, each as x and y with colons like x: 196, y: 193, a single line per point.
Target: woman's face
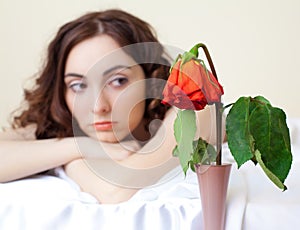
x: 105, y: 89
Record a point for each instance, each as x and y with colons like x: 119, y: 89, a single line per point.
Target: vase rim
x: 204, y: 168
x: 222, y: 165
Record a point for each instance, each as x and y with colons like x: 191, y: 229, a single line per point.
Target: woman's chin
x: 106, y: 137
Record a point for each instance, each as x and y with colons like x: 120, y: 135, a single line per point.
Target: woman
x: 99, y: 92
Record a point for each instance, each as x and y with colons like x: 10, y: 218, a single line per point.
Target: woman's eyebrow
x: 74, y: 75
x: 108, y: 71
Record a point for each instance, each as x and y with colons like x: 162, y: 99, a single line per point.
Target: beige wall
x: 255, y: 44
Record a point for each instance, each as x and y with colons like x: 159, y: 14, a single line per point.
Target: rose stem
x: 218, y: 106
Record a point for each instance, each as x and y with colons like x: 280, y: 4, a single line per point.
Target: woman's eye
x: 118, y: 82
x: 77, y: 86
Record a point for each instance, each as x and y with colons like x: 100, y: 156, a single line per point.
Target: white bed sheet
x: 48, y: 202
x: 56, y: 202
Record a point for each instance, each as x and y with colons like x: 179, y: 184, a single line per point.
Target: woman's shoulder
x: 26, y: 133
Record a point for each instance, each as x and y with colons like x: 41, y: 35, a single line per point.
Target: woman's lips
x: 104, y: 126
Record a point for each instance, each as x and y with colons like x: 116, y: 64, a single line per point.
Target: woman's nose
x: 102, y: 104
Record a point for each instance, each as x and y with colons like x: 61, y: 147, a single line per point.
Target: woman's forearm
x: 21, y: 158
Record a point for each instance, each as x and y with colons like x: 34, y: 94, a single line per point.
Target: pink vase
x: 213, y: 183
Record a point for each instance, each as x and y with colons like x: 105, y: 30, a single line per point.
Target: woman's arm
x: 22, y: 155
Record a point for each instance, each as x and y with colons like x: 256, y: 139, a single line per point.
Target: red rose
x: 190, y: 86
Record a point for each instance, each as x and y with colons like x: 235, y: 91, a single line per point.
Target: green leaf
x: 184, y: 131
x: 239, y: 137
x: 204, y: 152
x: 262, y: 99
x: 258, y: 131
x: 269, y: 129
x: 271, y: 176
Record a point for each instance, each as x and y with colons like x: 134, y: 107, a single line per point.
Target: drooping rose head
x: 191, y: 86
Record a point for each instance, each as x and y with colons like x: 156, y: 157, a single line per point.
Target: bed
x: 56, y: 202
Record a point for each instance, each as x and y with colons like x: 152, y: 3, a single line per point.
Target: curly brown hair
x: 46, y: 106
